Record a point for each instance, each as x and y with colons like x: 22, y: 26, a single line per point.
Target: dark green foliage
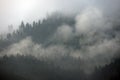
x: 30, y: 68
x: 108, y: 72
x: 40, y: 31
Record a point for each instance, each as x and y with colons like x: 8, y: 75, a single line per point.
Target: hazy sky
x: 14, y: 11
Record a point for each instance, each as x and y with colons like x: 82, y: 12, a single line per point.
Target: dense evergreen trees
x: 39, y: 31
x: 29, y: 68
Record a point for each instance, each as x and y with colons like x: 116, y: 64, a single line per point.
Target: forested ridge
x: 28, y: 67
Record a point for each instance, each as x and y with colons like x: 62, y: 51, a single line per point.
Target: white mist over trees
x: 60, y: 39
x: 88, y: 37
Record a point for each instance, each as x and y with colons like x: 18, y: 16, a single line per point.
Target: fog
x: 15, y: 11
x: 54, y: 39
x: 90, y: 22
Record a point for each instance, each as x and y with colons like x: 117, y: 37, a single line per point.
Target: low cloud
x: 64, y: 33
x: 90, y: 20
x: 97, y: 47
x: 92, y: 56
